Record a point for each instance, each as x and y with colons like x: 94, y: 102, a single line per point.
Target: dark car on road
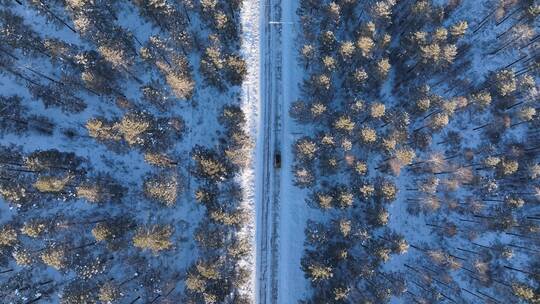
x: 277, y: 160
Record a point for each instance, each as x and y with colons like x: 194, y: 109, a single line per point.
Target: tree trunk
x: 56, y: 17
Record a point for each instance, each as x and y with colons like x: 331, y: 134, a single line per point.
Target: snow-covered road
x: 269, y: 144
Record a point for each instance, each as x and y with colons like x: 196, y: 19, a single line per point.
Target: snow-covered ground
x: 251, y: 104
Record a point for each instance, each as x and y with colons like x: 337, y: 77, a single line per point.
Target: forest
x: 131, y: 142
x: 121, y: 142
x: 420, y: 150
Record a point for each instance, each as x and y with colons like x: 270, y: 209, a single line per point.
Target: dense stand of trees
x: 419, y: 106
x: 108, y: 192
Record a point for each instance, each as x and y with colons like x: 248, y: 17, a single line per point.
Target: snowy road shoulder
x: 251, y: 104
